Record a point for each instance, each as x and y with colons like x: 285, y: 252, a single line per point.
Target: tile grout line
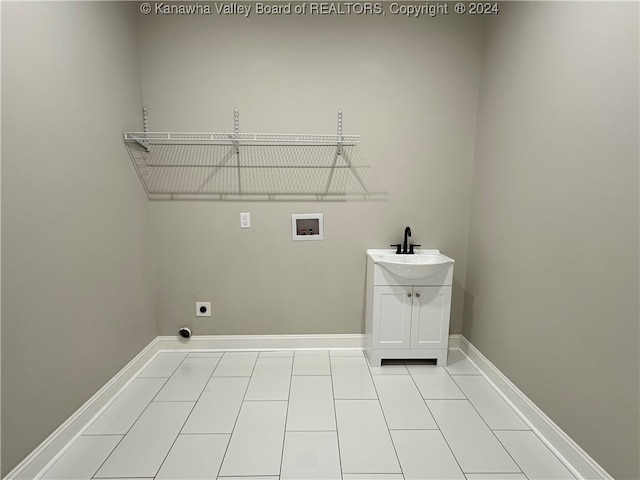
x: 436, y: 422
x: 555, y: 456
x: 512, y: 406
x: 286, y: 416
x: 144, y: 410
x: 487, y: 425
x: 226, y: 450
x: 137, y: 418
x: 174, y: 442
x: 195, y: 434
x: 466, y: 474
x: 498, y: 430
x: 518, y: 414
x: 513, y: 430
x: 395, y: 450
x: 493, y: 388
x: 204, y: 387
x: 176, y: 367
x: 335, y: 415
x: 137, y: 375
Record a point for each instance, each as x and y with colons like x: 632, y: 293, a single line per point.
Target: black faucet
x: 401, y: 248
x: 407, y: 234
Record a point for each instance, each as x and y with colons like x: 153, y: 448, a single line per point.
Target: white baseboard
x: 263, y: 342
x: 582, y: 465
x: 455, y: 342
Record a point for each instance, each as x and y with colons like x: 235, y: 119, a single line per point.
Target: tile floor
x: 307, y: 415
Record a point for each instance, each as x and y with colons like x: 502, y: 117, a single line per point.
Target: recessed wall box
x: 307, y: 226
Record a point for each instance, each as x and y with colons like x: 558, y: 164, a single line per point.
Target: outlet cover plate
x: 245, y: 220
x: 203, y: 309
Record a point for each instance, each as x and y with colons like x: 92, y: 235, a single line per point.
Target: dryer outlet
x: 203, y: 309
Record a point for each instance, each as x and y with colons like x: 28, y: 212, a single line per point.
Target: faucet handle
x: 411, y: 245
x: 398, y: 248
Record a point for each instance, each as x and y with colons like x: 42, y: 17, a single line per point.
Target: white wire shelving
x: 273, y: 166
x: 146, y: 138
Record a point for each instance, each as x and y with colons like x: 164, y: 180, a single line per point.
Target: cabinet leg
x: 441, y: 358
x: 375, y: 359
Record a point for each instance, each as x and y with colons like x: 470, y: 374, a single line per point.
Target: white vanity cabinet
x: 407, y: 317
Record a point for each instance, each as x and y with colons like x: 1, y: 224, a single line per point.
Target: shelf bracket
x: 145, y: 129
x: 236, y: 130
x: 236, y: 144
x: 340, y: 132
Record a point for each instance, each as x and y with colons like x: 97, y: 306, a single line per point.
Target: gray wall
x: 0, y: 257
x: 408, y: 86
x: 552, y: 286
x: 76, y: 297
x: 555, y: 180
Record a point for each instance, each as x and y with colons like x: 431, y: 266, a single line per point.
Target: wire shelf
x: 194, y: 168
x: 236, y: 139
x: 251, y: 165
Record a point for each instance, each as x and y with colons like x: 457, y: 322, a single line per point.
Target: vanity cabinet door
x: 392, y: 317
x: 430, y: 317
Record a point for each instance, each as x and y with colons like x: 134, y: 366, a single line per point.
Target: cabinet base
x: 375, y: 356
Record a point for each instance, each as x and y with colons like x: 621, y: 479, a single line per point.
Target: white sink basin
x: 419, y: 265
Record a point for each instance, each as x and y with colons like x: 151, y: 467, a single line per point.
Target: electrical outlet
x: 203, y: 309
x: 245, y: 220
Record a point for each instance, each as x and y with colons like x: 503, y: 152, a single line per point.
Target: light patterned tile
x: 390, y: 367
x: 163, y: 364
x: 205, y: 355
x: 270, y: 379
x: 218, y: 406
x: 188, y: 381
x: 535, y: 459
x: 475, y: 446
x: 489, y: 404
x: 143, y: 449
x: 309, y: 446
x: 364, y: 440
x: 372, y: 476
x: 236, y: 364
x: 255, y: 448
x: 425, y: 455
x: 310, y: 455
x: 311, y: 404
x: 434, y: 382
x: 311, y: 362
x: 194, y: 457
x: 402, y: 404
x: 83, y: 458
x: 346, y: 353
x: 276, y: 353
x: 127, y: 407
x: 459, y: 364
x: 245, y: 477
x: 496, y: 476
x: 351, y: 378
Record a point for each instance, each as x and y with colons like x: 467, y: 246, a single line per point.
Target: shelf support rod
x: 339, y: 132
x: 236, y: 144
x: 145, y: 129
x: 236, y: 131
